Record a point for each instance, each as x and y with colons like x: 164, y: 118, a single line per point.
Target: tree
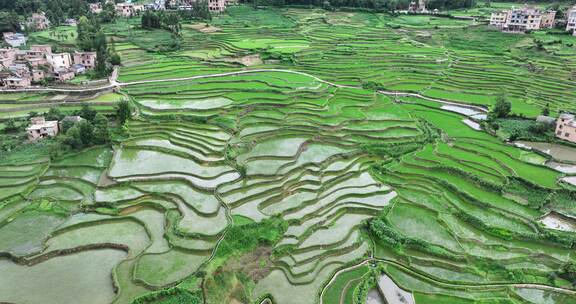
x: 73, y: 138
x: 546, y: 110
x: 9, y: 22
x: 54, y: 114
x: 502, y: 107
x: 101, y: 48
x: 86, y: 130
x: 108, y: 13
x: 10, y: 125
x: 123, y: 111
x: 115, y: 59
x: 87, y: 112
x: 101, y: 132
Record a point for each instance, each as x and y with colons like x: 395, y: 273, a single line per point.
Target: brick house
x: 87, y: 59
x: 38, y: 75
x: 39, y: 21
x: 566, y: 127
x: 40, y: 128
x: 96, y: 8
x: 7, y: 57
x: 128, y: 9
x: 41, y: 48
x: 548, y: 19
x: 18, y: 82
x: 63, y: 74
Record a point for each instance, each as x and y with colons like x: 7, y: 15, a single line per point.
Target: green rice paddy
x: 290, y: 182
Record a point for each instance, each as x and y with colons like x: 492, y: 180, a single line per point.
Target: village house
x: 128, y: 9
x: 499, y: 18
x: 38, y: 22
x: 70, y: 22
x: 419, y: 7
x: 59, y: 61
x: 14, y: 39
x: 571, y: 20
x: 216, y: 6
x: 40, y: 128
x: 87, y: 59
x: 524, y: 19
x: 69, y: 120
x: 566, y: 127
x: 96, y: 8
x: 41, y: 48
x: 17, y: 82
x: 548, y: 19
x: 38, y: 75
x: 63, y: 74
x: 78, y: 69
x: 7, y: 57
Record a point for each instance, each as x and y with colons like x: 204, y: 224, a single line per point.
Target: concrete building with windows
x: 96, y: 8
x: 524, y: 19
x: 548, y: 19
x: 63, y: 74
x: 499, y: 18
x: 571, y: 20
x: 87, y: 59
x: 38, y: 22
x: 216, y: 6
x: 40, y: 128
x: 128, y: 9
x: 59, y: 61
x: 566, y: 127
x: 14, y: 39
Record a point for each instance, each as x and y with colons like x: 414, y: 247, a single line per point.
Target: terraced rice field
x: 297, y: 185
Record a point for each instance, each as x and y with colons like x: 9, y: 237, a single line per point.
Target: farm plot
x: 337, y: 175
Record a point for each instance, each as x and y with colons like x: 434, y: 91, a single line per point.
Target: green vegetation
x: 260, y: 154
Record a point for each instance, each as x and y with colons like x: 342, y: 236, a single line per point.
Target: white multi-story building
x: 499, y: 18
x: 59, y: 61
x: 216, y: 6
x: 571, y: 20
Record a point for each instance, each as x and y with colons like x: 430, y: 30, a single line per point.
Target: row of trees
x: 166, y: 20
x: 388, y: 5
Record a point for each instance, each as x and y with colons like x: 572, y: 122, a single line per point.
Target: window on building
x: 566, y: 134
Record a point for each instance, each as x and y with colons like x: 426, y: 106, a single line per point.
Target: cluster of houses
x: 530, y: 18
x: 523, y: 19
x: 129, y: 9
x: 21, y: 68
